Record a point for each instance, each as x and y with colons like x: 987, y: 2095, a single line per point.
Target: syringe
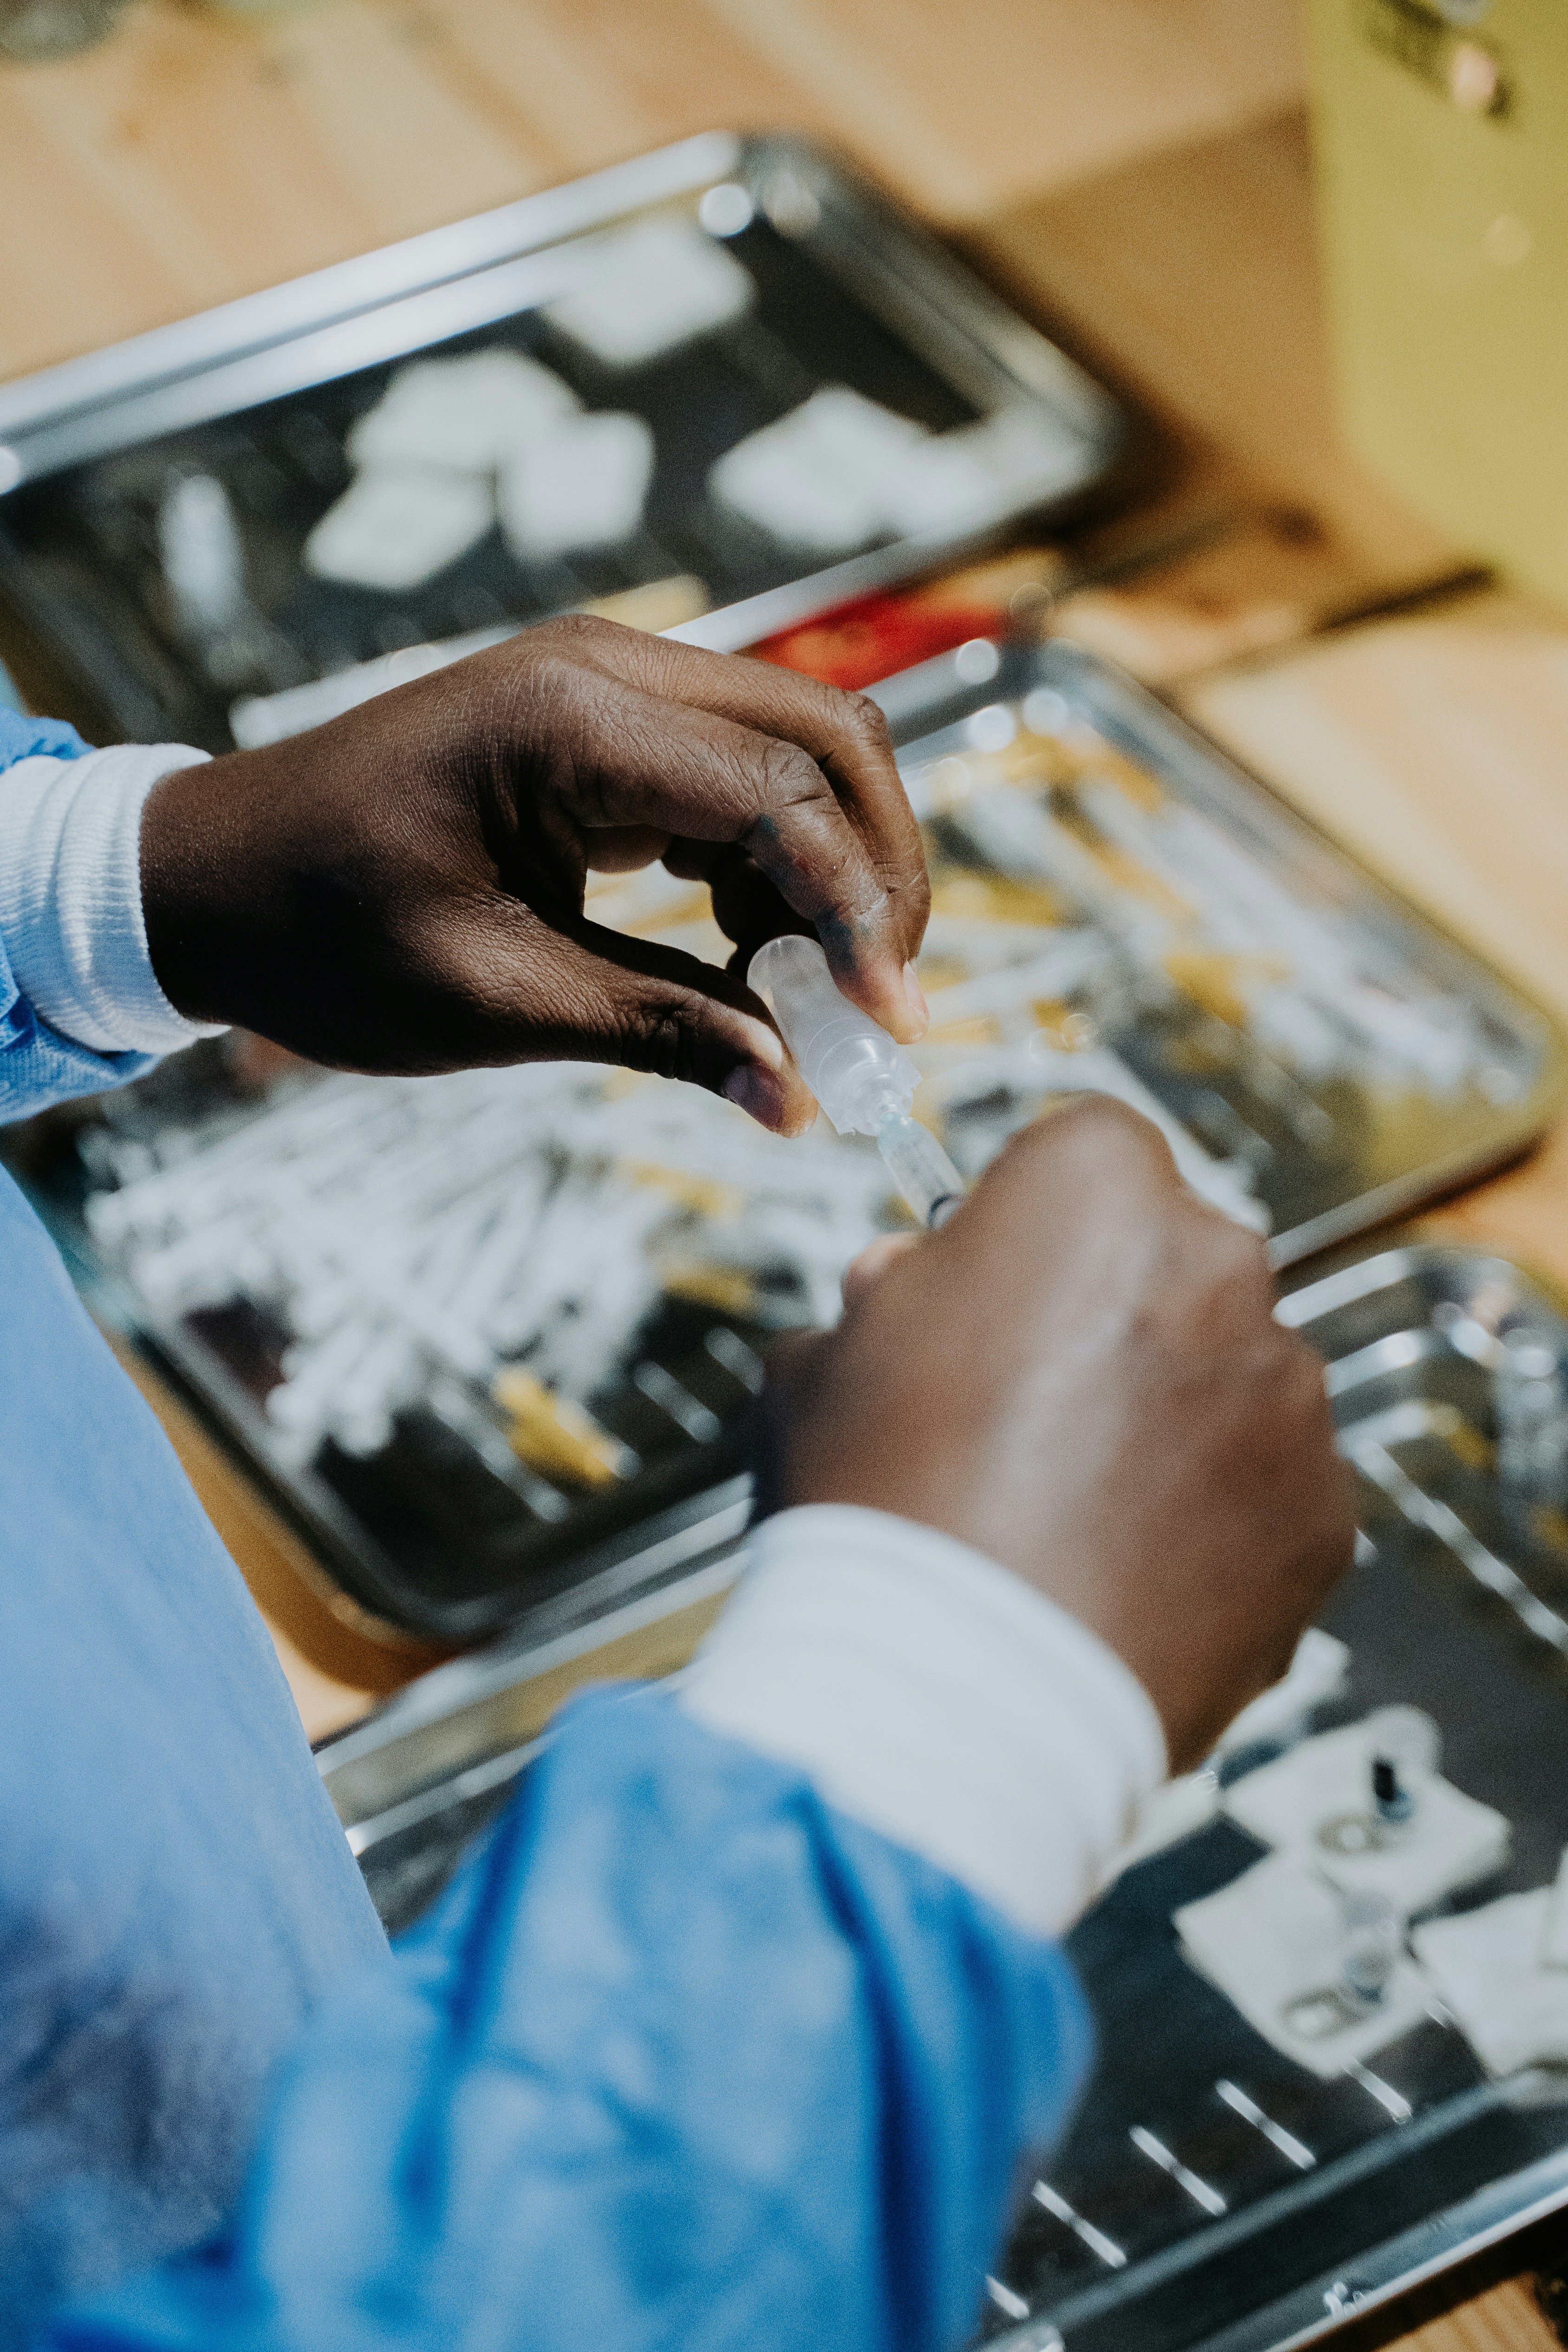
x: 862, y: 1080
x: 919, y: 1167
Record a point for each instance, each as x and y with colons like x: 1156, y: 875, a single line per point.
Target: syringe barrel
x: 921, y: 1169
x: 851, y: 1064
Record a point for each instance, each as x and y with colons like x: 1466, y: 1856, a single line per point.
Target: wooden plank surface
x: 200, y: 152
x: 1136, y: 172
x: 1506, y: 2319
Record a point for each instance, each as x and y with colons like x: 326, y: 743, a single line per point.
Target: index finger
x: 697, y: 779
x: 845, y: 734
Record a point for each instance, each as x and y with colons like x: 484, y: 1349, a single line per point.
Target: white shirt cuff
x: 70, y: 897
x: 938, y: 1699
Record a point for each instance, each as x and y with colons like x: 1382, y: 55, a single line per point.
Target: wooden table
x: 1136, y: 173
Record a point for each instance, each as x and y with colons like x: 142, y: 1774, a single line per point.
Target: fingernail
x: 757, y: 1092
x: 916, y: 996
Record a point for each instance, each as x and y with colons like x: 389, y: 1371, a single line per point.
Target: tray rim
x: 693, y: 1550
x: 330, y: 322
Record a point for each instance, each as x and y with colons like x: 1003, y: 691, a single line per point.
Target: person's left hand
x: 403, y: 888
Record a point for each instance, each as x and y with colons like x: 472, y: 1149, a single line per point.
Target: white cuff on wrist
x: 70, y: 897
x: 939, y: 1699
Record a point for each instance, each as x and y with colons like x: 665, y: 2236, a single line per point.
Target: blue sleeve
x: 38, y: 1066
x: 683, y: 2059
x: 175, y: 1891
x: 24, y: 738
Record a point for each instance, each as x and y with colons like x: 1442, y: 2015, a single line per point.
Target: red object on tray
x: 871, y: 638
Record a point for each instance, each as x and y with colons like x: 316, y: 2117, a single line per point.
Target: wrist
x: 933, y: 1696
x: 70, y: 895
x: 181, y: 871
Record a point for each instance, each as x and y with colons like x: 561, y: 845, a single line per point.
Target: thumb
x: 601, y: 997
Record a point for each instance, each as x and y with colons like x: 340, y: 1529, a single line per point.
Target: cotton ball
x: 584, y: 487
x: 817, y: 478
x: 472, y: 414
x: 397, y: 526
x: 652, y: 288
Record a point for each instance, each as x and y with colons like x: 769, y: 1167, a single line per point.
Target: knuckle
x: 1108, y: 1132
x: 540, y: 662
x: 789, y: 775
x: 1097, y: 1154
x: 864, y: 719
x: 580, y: 632
x: 672, y: 1037
x: 653, y: 1038
x: 554, y: 674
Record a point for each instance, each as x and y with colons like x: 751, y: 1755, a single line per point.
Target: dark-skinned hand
x: 402, y: 889
x: 1081, y: 1375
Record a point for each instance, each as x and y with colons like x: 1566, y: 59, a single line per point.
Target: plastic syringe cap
x: 853, y: 1067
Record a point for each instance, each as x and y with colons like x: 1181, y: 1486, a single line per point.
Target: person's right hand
x: 1081, y: 1375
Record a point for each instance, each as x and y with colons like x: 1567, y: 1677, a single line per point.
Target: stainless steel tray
x: 257, y: 398
x: 1457, y: 1604
x: 347, y: 1270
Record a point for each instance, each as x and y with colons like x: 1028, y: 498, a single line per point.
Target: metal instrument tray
x: 475, y: 1329
x: 1402, y: 2167
x: 256, y: 400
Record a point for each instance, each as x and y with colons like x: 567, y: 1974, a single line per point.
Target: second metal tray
x: 1213, y: 2193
